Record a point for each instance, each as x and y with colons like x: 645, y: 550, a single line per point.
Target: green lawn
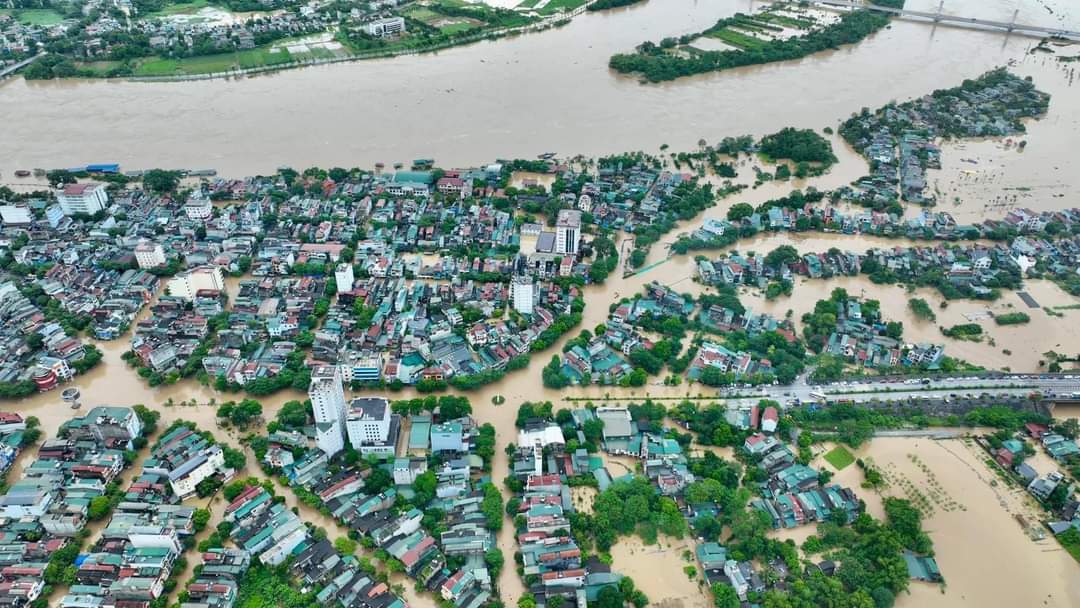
x: 181, y: 8
x: 839, y: 457
x: 459, y: 27
x: 34, y: 16
x: 212, y: 63
x: 1070, y: 540
x: 738, y: 39
x: 422, y: 13
x: 553, y: 6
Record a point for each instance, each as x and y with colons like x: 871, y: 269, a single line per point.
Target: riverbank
x: 194, y: 66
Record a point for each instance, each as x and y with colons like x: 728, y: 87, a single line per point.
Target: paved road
x: 964, y: 388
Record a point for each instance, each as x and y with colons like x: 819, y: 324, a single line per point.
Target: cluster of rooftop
x: 384, y: 484
x: 899, y: 139
x: 264, y: 528
x: 44, y: 514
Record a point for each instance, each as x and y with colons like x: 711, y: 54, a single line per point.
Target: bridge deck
x: 1019, y: 28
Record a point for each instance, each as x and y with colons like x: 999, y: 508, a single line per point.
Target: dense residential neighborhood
x: 899, y: 139
x: 422, y: 497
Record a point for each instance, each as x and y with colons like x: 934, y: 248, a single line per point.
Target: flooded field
x: 985, y: 555
x: 658, y: 571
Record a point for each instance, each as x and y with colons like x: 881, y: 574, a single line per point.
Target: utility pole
x: 1012, y: 24
x: 940, y: 6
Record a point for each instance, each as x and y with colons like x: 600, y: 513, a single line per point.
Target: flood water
x: 553, y: 92
x: 547, y: 92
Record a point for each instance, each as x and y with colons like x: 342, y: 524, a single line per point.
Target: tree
x: 99, y: 508
x: 894, y: 329
x: 293, y: 414
x: 345, y: 545
x: 799, y: 145
x: 921, y: 309
x: 424, y: 488
x: 740, y: 211
x: 610, y: 597
x: 494, y: 561
x: 234, y: 459
x: 160, y: 181
x: 240, y: 414
x: 377, y: 481
x: 782, y: 255
x: 199, y: 519
x: 883, y: 597
x: 492, y: 506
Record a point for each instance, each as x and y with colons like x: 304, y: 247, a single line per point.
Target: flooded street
x: 518, y: 97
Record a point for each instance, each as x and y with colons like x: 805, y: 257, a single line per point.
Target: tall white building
x: 368, y: 422
x: 386, y: 27
x: 568, y: 232
x: 149, y: 254
x: 198, y: 208
x: 82, y: 198
x: 343, y: 276
x: 523, y: 293
x: 187, y: 284
x: 328, y: 404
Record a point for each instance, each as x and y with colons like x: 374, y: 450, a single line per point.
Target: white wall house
x: 368, y: 423
x: 328, y: 404
x: 82, y: 198
x: 187, y: 284
x: 149, y: 254
x: 184, y: 478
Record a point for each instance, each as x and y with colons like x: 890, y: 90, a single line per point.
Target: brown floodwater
x: 546, y: 92
x: 985, y: 555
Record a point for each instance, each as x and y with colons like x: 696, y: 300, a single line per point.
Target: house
x: 760, y: 444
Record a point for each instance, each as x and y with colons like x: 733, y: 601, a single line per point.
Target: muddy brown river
x: 547, y: 92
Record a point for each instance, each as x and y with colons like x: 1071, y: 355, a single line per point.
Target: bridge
x: 1040, y: 31
x: 15, y: 67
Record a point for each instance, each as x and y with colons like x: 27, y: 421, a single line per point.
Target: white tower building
x: 328, y: 403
